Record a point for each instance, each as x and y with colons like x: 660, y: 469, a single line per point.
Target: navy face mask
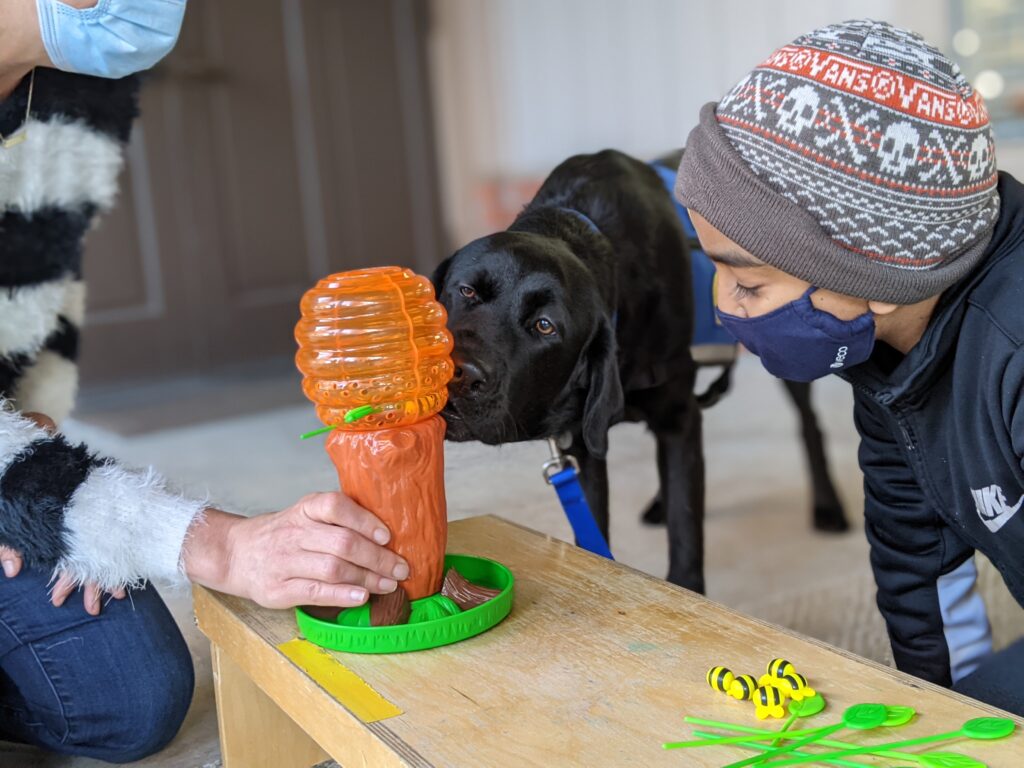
x: 799, y: 342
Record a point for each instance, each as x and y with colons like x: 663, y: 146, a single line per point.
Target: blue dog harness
x: 708, y: 332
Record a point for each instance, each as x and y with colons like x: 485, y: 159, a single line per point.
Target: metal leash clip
x: 558, y: 461
x: 562, y: 472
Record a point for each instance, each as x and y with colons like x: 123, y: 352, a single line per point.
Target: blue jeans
x: 114, y: 687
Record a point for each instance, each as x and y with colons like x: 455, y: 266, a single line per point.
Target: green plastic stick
x: 359, y: 413
x: 768, y: 733
x: 785, y: 727
x: 859, y: 717
x: 767, y: 736
x: 985, y: 728
x: 765, y: 748
x: 352, y: 416
x: 820, y: 733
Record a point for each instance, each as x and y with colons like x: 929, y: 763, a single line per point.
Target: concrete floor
x: 762, y: 556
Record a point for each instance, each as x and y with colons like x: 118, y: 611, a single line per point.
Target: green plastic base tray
x: 431, y: 633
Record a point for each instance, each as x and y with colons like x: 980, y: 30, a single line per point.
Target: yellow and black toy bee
x: 794, y: 684
x: 720, y: 678
x: 743, y: 687
x: 780, y: 667
x: 768, y: 702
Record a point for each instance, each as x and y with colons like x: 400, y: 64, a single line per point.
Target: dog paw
x: 654, y: 514
x: 830, y: 519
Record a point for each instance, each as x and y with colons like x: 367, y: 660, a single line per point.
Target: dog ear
x: 439, y: 276
x: 605, y: 400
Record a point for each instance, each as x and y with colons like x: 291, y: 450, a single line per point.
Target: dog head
x: 534, y: 343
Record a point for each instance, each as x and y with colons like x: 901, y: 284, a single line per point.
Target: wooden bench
x: 596, y: 666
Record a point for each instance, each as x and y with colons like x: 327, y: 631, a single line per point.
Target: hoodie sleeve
x: 65, y: 509
x: 925, y: 574
x: 1011, y: 394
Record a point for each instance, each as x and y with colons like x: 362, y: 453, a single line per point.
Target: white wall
x: 522, y: 84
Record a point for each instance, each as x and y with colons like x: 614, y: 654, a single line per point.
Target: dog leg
x: 655, y: 512
x: 681, y: 473
x: 594, y: 479
x: 828, y: 510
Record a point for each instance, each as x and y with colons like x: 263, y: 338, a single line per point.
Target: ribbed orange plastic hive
x: 374, y: 337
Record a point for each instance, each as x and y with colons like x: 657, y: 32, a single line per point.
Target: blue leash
x: 566, y: 481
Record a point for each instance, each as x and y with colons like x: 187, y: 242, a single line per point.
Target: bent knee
x: 155, y: 712
x: 140, y: 716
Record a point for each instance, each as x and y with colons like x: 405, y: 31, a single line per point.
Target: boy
x: 847, y: 191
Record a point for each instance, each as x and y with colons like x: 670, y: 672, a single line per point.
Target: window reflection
x: 988, y: 43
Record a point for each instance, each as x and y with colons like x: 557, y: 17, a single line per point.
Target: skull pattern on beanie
x: 877, y: 135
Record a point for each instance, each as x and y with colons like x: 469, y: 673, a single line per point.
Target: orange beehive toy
x: 373, y: 344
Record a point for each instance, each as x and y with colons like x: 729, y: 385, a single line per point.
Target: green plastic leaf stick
x: 812, y: 737
x: 931, y: 759
x: 766, y: 748
x: 807, y: 707
x: 315, y: 432
x: 767, y: 736
x: 351, y: 417
x: 785, y: 727
x: 860, y: 717
x: 983, y: 728
x: 949, y: 760
x: 898, y: 716
x: 359, y: 413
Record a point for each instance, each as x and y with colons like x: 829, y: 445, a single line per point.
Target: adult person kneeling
x: 110, y: 681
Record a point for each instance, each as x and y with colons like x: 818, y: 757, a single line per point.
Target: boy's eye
x: 544, y: 327
x: 467, y: 291
x: 745, y: 292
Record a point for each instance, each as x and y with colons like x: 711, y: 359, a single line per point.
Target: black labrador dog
x: 580, y: 315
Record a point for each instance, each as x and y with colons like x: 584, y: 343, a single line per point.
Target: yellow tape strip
x: 339, y: 681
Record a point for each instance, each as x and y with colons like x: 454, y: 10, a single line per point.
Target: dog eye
x: 544, y: 327
x: 467, y: 291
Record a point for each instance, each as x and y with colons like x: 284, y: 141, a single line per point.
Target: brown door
x: 280, y: 141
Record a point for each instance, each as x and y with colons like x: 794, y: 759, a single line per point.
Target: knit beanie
x: 857, y: 158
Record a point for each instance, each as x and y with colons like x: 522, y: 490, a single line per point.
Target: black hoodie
x: 942, y: 441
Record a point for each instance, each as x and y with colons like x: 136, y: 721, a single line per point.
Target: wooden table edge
x: 330, y: 724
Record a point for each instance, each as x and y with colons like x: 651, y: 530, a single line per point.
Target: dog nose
x: 468, y: 377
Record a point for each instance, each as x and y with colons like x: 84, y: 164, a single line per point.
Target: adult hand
x: 12, y: 561
x: 91, y: 594
x: 324, y: 550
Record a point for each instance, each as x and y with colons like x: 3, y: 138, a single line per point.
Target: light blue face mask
x: 114, y: 38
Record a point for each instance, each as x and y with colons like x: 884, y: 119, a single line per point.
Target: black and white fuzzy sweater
x: 62, y: 507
